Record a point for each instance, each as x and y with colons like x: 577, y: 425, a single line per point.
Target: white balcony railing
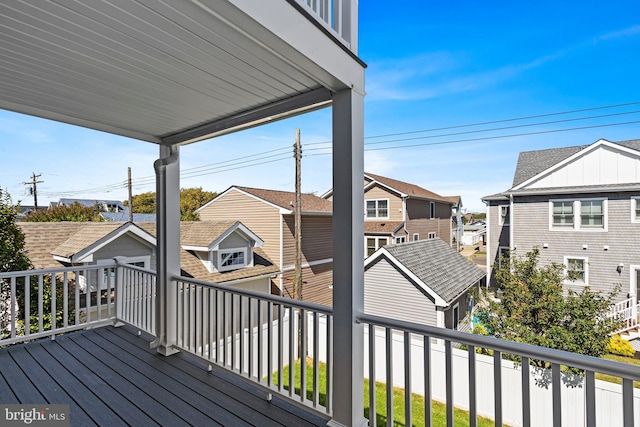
x: 260, y: 337
x: 337, y: 16
x: 627, y: 312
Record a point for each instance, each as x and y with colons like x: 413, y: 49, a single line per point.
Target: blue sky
x: 431, y: 65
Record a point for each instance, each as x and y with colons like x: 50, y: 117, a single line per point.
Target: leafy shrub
x: 619, y: 346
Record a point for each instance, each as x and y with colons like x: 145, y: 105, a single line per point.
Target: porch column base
x: 166, y: 351
x: 362, y: 423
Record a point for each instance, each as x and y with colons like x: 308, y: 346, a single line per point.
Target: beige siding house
x: 425, y: 282
x: 579, y: 206
x: 398, y: 212
x: 270, y: 214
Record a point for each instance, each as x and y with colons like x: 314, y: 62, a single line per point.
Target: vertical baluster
x: 372, y: 376
x: 65, y: 299
x: 316, y: 359
x: 224, y: 328
x: 448, y: 368
x: 99, y: 278
x: 292, y: 350
x: 329, y: 389
x: 280, y: 373
x: 197, y: 316
x: 269, y: 343
x: 251, y: 321
x: 428, y: 414
x: 241, y: 333
x: 201, y: 320
x: 53, y: 302
x: 303, y: 355
x: 77, y: 296
x: 233, y: 331
x: 497, y: 384
x: 389, y: 353
x: 407, y: 380
x: 473, y: 413
x: 526, y: 393
x: 556, y: 376
x: 40, y: 303
x: 217, y: 327
x: 87, y: 300
x: 14, y: 299
x: 627, y: 402
x: 27, y: 305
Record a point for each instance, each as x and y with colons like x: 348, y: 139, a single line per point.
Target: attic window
x: 232, y: 259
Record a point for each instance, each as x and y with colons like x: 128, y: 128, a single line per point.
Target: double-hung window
x: 374, y: 243
x: 576, y: 270
x: 578, y: 214
x: 377, y: 208
x: 504, y: 215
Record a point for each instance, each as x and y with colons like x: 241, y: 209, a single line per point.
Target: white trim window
x: 400, y: 239
x: 372, y: 244
x: 432, y: 210
x: 456, y: 316
x: 581, y: 214
x: 378, y: 208
x: 416, y: 237
x: 431, y: 235
x: 232, y: 259
x: 503, y: 255
x: 504, y: 215
x: 576, y: 270
x: 635, y: 209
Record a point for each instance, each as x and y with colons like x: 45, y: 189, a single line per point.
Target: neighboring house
x: 223, y: 252
x: 124, y: 216
x: 578, y: 205
x: 457, y: 224
x: 425, y: 282
x: 105, y: 205
x: 399, y: 212
x: 475, y: 234
x: 270, y: 214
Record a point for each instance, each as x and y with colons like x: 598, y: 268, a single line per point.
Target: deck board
x: 110, y: 376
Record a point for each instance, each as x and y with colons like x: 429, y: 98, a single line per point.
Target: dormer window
x: 232, y: 259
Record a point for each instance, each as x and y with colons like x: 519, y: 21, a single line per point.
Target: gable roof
x: 206, y: 235
x: 532, y: 163
x: 284, y: 200
x: 382, y: 227
x: 406, y: 189
x: 434, y: 266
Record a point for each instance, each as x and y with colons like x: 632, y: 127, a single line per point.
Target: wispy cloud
x: 631, y: 31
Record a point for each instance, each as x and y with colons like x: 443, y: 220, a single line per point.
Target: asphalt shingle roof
x: 407, y: 188
x: 439, y: 266
x: 386, y: 227
x: 287, y: 199
x: 531, y: 163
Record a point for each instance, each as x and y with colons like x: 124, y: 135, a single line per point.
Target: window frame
x: 456, y: 319
x: 377, y: 209
x: 504, y: 218
x: 399, y: 239
x: 416, y: 237
x: 635, y: 209
x: 432, y: 235
x: 585, y: 264
x: 432, y: 210
x: 221, y: 252
x: 377, y: 239
x: 577, y: 215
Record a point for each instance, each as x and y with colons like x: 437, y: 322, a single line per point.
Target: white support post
x: 119, y: 291
x: 348, y: 256
x: 167, y: 169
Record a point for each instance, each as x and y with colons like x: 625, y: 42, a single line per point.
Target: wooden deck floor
x: 110, y: 377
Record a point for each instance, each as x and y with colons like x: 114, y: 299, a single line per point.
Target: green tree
x: 534, y: 309
x: 190, y: 200
x: 75, y: 212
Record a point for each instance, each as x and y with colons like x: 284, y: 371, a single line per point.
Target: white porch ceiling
x: 168, y: 71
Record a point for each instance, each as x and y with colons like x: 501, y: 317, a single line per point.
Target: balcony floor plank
x: 110, y: 376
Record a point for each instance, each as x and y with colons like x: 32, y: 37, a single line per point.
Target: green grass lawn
x: 618, y: 380
x: 461, y: 418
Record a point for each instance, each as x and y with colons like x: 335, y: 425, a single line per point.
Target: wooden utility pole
x: 34, y: 187
x: 297, y: 275
x: 130, y: 195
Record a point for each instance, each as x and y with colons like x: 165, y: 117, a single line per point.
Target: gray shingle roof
x: 531, y: 163
x: 439, y: 266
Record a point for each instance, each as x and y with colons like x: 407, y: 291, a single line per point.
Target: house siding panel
x: 317, y: 280
x: 498, y: 235
x: 419, y: 221
x: 531, y: 229
x: 126, y: 246
x: 387, y: 292
x: 395, y: 202
x: 317, y: 240
x: 259, y: 217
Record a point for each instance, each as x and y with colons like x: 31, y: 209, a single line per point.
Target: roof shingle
x: 286, y: 199
x: 407, y: 188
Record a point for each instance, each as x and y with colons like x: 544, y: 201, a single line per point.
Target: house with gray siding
x: 399, y: 212
x: 579, y: 206
x: 425, y: 281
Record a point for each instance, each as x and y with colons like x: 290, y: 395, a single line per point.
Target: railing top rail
x: 580, y: 361
x: 259, y: 295
x: 55, y: 270
x: 135, y: 267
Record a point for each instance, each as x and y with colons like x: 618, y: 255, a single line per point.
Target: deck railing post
x: 119, y: 290
x: 348, y: 253
x: 167, y: 169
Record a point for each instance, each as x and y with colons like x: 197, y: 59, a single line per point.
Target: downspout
x: 162, y: 284
x: 511, y: 233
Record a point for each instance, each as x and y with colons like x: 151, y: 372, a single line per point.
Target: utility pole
x: 297, y: 285
x: 34, y: 186
x: 130, y: 194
